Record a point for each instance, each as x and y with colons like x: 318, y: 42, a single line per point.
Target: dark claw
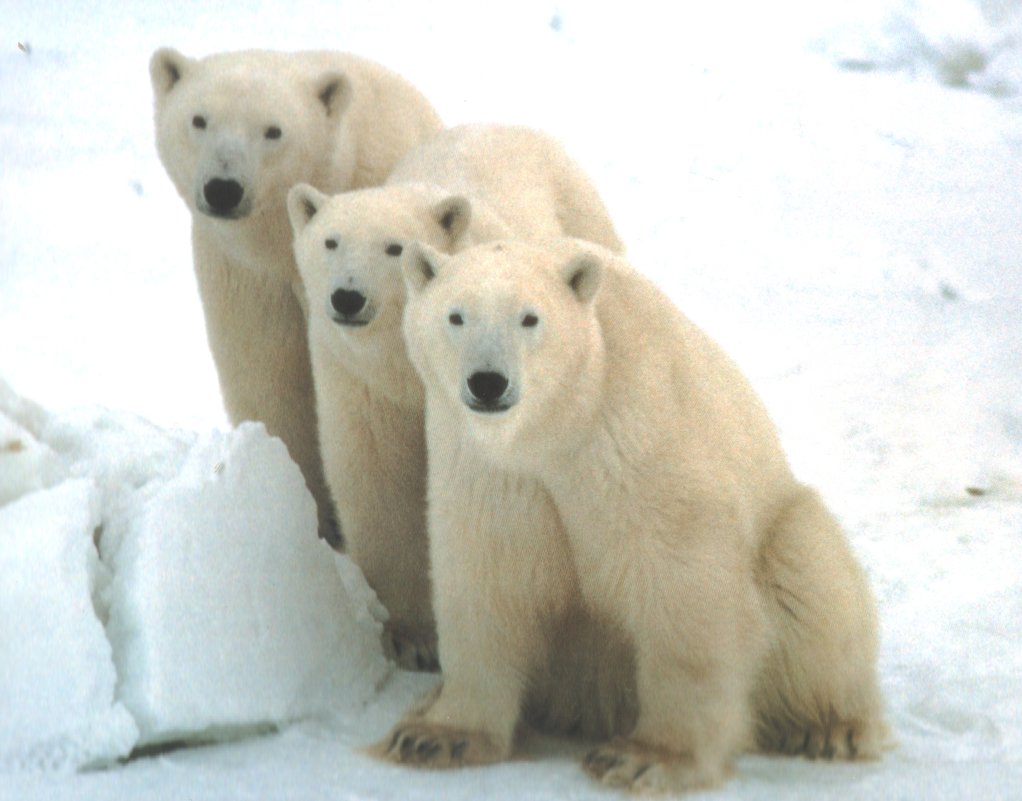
x: 333, y: 536
x: 393, y: 742
x: 641, y: 771
x: 458, y: 749
x: 427, y: 749
x: 853, y: 749
x: 407, y: 746
x: 602, y: 761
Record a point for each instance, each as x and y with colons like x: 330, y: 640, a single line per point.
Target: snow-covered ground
x: 833, y: 190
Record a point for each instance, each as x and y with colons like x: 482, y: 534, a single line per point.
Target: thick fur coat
x: 466, y: 185
x: 556, y: 375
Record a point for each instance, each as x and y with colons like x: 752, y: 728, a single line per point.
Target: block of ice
x: 57, y: 678
x: 226, y: 610
x: 25, y: 463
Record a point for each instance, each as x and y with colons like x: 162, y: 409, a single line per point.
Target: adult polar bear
x: 750, y: 618
x: 466, y: 185
x: 235, y: 131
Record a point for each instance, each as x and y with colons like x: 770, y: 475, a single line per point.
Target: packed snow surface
x: 832, y: 190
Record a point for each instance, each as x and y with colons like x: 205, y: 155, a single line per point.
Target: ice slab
x: 57, y: 680
x: 227, y: 613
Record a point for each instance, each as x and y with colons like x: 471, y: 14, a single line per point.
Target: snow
x: 25, y: 463
x: 210, y: 610
x: 832, y: 190
x: 226, y: 612
x: 960, y: 42
x: 58, y: 709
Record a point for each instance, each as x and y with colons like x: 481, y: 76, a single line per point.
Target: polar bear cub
x: 465, y: 185
x: 235, y: 131
x: 751, y: 621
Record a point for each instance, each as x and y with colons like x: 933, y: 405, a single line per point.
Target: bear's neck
x: 259, y: 244
x: 573, y: 423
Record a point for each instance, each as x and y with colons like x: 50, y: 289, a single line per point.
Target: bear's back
x: 516, y: 171
x: 681, y: 384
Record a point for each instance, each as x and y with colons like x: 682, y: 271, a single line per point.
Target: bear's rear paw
x: 330, y: 531
x: 412, y: 650
x: 838, y: 740
x: 429, y: 745
x: 632, y: 766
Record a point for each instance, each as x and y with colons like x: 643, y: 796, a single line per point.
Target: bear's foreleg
x: 374, y: 454
x: 498, y: 579
x: 257, y: 334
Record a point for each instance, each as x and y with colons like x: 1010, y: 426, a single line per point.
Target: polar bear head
x: 506, y: 337
x: 236, y: 130
x: 348, y: 249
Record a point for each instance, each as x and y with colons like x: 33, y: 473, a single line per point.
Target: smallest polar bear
x: 559, y: 366
x: 463, y: 186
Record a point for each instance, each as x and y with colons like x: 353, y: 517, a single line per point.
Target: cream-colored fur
x: 521, y: 175
x: 750, y: 619
x: 235, y: 131
x: 463, y: 186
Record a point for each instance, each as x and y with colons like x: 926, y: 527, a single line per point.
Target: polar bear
x: 750, y: 619
x: 235, y: 131
x: 466, y: 185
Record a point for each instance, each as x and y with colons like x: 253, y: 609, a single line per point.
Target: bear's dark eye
x: 273, y: 132
x: 331, y: 244
x: 394, y: 250
x: 456, y: 319
x: 530, y: 321
x: 198, y: 121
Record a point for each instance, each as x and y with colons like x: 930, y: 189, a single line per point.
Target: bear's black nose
x: 222, y: 196
x: 347, y: 302
x: 487, y: 387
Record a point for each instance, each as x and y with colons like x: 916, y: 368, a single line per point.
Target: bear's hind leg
x: 818, y: 694
x: 698, y: 633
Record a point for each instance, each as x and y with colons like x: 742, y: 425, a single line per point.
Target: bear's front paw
x: 428, y: 745
x: 412, y: 650
x: 646, y: 770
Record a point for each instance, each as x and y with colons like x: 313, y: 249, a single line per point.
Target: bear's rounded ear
x: 583, y: 275
x: 420, y: 265
x: 303, y: 202
x: 166, y: 68
x: 453, y: 214
x: 334, y: 91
